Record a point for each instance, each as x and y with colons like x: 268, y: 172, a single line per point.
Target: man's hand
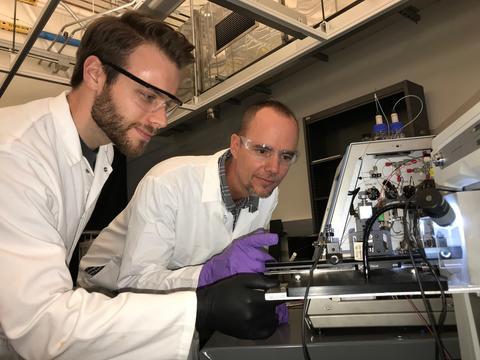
x: 244, y: 255
x: 237, y: 307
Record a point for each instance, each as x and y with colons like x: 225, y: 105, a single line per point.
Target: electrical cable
x: 443, y: 313
x: 419, y: 314
x: 419, y: 112
x: 404, y: 97
x: 306, y: 301
x: 408, y: 205
x: 427, y: 325
x: 368, y: 228
x: 438, y: 341
x: 381, y: 109
x: 373, y: 218
x: 353, y: 194
x: 409, y: 162
x: 342, y: 238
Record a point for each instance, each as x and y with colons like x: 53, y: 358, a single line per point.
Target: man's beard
x: 264, y: 194
x: 115, y: 126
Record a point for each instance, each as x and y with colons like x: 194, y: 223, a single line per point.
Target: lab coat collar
x: 65, y: 127
x: 68, y: 133
x: 211, y: 181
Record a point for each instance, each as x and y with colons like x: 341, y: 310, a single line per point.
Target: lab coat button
x: 87, y: 171
x: 105, y: 169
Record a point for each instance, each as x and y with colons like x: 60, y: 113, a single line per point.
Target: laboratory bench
x: 333, y: 344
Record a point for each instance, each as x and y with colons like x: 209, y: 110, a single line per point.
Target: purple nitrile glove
x: 243, y: 255
x: 282, y: 313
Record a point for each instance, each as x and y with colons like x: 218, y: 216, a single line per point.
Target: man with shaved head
x: 194, y: 220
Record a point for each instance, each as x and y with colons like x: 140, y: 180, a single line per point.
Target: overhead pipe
x: 92, y: 17
x: 69, y: 38
x: 14, y: 24
x: 72, y: 14
x: 67, y: 41
x: 22, y: 54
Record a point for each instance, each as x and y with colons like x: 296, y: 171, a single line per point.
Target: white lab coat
x: 48, y: 193
x: 176, y: 221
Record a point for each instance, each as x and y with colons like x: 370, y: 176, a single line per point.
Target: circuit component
x: 391, y: 191
x: 408, y: 191
x: 373, y: 193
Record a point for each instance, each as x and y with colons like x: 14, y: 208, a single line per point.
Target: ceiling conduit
x: 27, y: 46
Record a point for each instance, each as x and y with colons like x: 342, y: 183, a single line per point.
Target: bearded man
x: 55, y: 156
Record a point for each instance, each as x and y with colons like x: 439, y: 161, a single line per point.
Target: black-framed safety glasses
x: 149, y: 102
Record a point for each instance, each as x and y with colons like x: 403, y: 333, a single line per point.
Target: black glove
x: 236, y: 306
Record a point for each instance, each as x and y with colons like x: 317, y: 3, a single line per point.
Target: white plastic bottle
x: 396, y: 128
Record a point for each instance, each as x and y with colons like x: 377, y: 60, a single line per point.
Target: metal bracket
x: 274, y: 15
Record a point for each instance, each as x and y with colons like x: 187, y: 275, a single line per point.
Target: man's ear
x: 94, y: 75
x: 234, y: 145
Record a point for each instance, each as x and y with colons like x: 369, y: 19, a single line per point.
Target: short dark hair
x: 252, y: 110
x: 113, y: 39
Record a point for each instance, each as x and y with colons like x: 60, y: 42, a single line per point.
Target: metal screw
x: 438, y: 160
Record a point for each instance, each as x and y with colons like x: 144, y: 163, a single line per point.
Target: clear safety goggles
x: 264, y: 152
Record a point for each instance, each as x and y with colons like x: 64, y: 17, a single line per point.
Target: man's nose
x: 158, y: 119
x: 272, y: 164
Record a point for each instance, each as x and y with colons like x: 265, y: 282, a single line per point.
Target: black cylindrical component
x: 434, y: 205
x: 391, y: 191
x: 373, y: 193
x: 408, y: 191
